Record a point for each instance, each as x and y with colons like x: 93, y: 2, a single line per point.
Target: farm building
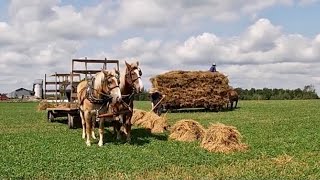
x: 3, y: 97
x: 19, y: 93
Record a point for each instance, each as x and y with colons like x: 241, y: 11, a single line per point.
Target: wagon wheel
x: 70, y: 121
x: 50, y: 116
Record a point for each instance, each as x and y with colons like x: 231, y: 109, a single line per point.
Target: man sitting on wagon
x: 213, y: 68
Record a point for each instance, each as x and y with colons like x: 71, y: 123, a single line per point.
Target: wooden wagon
x: 82, y: 69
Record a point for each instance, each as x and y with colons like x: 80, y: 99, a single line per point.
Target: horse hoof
x: 83, y: 136
x: 100, y: 144
x: 88, y: 143
x: 93, y: 136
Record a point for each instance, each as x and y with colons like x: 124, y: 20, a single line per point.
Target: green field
x: 284, y: 140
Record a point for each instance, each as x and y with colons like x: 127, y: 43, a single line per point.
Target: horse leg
x: 231, y: 105
x: 88, y: 119
x: 83, y: 122
x: 117, y: 129
x: 93, y: 120
x: 119, y: 125
x: 101, y: 131
x: 128, y: 128
x: 236, y: 104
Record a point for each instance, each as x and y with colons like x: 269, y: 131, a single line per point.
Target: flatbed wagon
x: 72, y: 114
x: 85, y: 72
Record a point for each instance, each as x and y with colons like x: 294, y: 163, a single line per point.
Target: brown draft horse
x: 97, y: 95
x: 233, y: 97
x: 130, y: 83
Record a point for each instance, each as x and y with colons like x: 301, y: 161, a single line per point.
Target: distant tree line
x: 308, y: 92
x: 143, y: 96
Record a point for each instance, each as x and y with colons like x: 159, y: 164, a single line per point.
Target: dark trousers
x: 68, y: 94
x: 158, y: 109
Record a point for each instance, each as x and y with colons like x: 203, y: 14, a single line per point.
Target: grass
x: 283, y: 137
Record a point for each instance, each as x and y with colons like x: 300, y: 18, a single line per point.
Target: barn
x: 3, y: 97
x: 20, y: 93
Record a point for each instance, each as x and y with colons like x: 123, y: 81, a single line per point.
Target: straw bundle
x: 137, y: 115
x: 222, y: 138
x: 187, y: 130
x: 43, y: 105
x: 149, y: 120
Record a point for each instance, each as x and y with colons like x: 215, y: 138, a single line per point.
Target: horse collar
x: 106, y: 98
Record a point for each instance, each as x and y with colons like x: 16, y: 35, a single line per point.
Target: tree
x: 308, y: 92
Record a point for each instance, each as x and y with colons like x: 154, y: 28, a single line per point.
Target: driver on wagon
x: 213, y: 68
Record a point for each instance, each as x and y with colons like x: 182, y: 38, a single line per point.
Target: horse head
x: 107, y: 82
x: 133, y: 76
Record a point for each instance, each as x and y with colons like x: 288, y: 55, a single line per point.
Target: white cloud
x: 41, y: 36
x: 261, y: 56
x: 136, y: 46
x: 261, y: 36
x: 142, y: 13
x: 32, y: 10
x: 150, y: 13
x: 307, y: 2
x: 8, y: 35
x: 70, y: 24
x: 262, y: 43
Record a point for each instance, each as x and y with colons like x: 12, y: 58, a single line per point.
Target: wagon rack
x: 80, y: 69
x: 55, y: 89
x: 55, y: 92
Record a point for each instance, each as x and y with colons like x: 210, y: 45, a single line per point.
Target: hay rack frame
x: 75, y: 76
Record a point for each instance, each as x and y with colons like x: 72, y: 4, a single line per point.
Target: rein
x: 127, y: 100
x: 106, y: 98
x: 128, y: 74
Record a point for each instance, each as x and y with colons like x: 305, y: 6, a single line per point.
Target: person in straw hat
x: 156, y: 97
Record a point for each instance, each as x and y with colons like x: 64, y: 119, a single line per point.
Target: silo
x: 38, y: 86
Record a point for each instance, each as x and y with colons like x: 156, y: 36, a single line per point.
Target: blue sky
x: 296, y: 19
x: 256, y: 43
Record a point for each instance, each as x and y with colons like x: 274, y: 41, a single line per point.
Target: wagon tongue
x: 114, y: 114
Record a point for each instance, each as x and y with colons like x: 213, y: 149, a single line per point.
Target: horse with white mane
x: 94, y: 97
x: 130, y: 84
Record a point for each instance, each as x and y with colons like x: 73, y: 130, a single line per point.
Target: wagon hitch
x: 114, y: 114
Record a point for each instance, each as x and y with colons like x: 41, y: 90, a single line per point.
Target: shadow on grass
x: 193, y: 110
x: 76, y: 124
x: 139, y: 137
x: 233, y: 109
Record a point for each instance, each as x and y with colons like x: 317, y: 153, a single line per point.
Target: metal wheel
x: 50, y: 116
x: 70, y: 121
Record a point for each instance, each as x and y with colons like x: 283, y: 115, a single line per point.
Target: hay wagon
x: 192, y: 90
x: 82, y: 69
